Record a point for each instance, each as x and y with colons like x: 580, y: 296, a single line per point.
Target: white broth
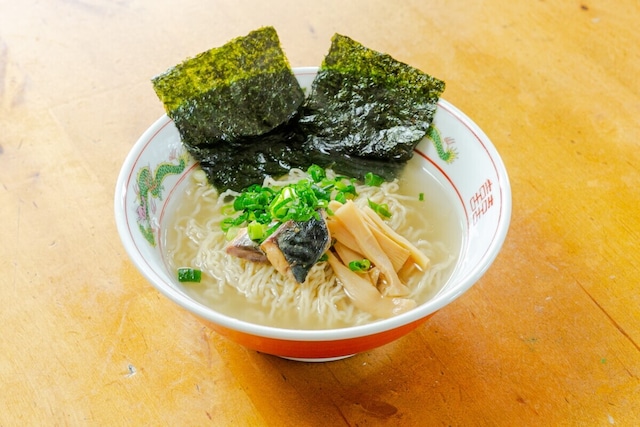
x: 256, y: 293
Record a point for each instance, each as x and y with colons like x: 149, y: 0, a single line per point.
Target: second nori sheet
x: 364, y: 103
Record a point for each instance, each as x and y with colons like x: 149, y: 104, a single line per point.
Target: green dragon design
x: 149, y: 187
x: 446, y: 154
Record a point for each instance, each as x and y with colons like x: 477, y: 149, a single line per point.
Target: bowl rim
x: 434, y: 304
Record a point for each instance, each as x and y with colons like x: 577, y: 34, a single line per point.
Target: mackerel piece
x: 295, y: 247
x: 365, y: 104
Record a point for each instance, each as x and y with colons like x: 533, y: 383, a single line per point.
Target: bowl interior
x: 457, y: 154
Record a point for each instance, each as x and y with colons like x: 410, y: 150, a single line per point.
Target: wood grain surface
x: 549, y: 336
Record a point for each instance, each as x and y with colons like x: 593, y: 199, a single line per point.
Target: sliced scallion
x: 381, y: 209
x: 373, y: 180
x: 186, y: 274
x: 256, y: 231
x: 316, y: 173
x: 360, y: 266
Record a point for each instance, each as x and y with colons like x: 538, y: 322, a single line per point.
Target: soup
x: 255, y: 292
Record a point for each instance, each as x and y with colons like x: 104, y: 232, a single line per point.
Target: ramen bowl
x: 458, y: 155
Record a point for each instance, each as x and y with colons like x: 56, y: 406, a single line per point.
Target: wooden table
x: 549, y: 336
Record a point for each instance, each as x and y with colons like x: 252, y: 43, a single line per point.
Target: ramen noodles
x: 256, y: 292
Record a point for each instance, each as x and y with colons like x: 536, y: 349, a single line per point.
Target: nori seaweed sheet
x: 237, y: 165
x: 366, y: 104
x: 244, y: 88
x: 242, y: 114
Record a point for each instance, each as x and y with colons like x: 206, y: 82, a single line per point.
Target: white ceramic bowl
x: 463, y: 160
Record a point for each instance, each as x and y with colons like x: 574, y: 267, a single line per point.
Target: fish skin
x: 243, y: 247
x: 294, y: 243
x: 300, y: 244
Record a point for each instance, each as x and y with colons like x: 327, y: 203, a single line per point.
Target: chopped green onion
x: 346, y: 187
x: 227, y: 223
x: 186, y: 274
x: 227, y: 210
x: 345, y: 190
x: 360, y: 266
x: 256, y: 231
x: 350, y: 191
x: 316, y: 173
x: 373, y: 179
x: 231, y: 233
x: 268, y: 207
x: 321, y: 193
x: 381, y: 209
x: 421, y: 197
x: 323, y: 257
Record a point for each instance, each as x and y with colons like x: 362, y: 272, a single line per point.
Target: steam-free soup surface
x: 255, y: 292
